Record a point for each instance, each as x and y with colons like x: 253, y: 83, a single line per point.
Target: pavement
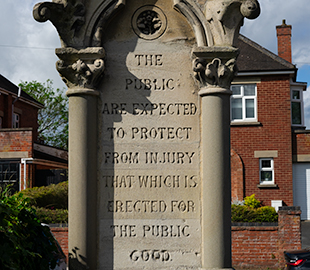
x: 305, y: 234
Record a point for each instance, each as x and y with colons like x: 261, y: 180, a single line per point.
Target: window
x: 266, y: 171
x: 16, y: 120
x: 9, y: 174
x: 297, y: 107
x: 243, y: 102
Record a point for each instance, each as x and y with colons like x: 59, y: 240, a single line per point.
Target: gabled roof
x: 255, y: 58
x: 10, y: 88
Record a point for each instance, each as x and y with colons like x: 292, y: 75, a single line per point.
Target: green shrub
x: 52, y: 196
x: 252, y: 202
x: 50, y: 216
x: 242, y: 213
x: 24, y: 242
x: 266, y: 214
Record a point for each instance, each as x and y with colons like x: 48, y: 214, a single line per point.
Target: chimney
x: 284, y: 33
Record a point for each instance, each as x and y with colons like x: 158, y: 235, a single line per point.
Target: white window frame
x: 16, y: 120
x: 264, y: 169
x: 244, y: 99
x: 300, y: 100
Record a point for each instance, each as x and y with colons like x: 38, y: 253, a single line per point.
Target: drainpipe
x: 24, y: 162
x: 17, y: 98
x: 20, y: 177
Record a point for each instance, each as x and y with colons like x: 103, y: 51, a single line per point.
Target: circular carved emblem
x: 149, y: 22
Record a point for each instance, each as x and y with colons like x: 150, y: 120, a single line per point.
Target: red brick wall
x: 284, y: 33
x: 273, y: 133
x: 301, y: 142
x: 61, y: 235
x: 28, y: 117
x: 6, y: 108
x: 237, y: 187
x: 263, y: 246
x: 252, y: 246
x: 16, y: 140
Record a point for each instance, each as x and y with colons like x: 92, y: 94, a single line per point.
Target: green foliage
x: 266, y: 214
x: 25, y: 243
x: 52, y: 216
x: 52, y: 196
x: 53, y: 118
x: 243, y: 213
x: 252, y: 202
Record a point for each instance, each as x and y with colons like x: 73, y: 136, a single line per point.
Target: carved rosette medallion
x: 81, y: 69
x: 149, y: 22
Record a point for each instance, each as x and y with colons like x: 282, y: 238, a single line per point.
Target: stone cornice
x: 68, y: 16
x: 224, y: 19
x: 220, y: 22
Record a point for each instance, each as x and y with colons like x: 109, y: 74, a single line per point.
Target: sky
x: 27, y: 48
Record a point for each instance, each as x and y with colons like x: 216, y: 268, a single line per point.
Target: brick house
x: 19, y: 148
x: 268, y: 137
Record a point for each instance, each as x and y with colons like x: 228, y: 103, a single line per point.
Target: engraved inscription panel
x: 149, y: 157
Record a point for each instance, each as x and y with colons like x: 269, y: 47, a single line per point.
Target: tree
x: 53, y: 118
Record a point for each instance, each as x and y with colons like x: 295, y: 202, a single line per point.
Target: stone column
x: 215, y: 68
x: 81, y: 70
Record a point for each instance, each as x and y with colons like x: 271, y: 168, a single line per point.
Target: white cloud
x: 18, y: 28
x: 21, y: 35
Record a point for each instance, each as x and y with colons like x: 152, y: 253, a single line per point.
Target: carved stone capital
x: 66, y: 15
x: 81, y: 69
x: 215, y: 68
x: 224, y: 19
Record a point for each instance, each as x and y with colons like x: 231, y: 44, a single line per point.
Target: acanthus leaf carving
x: 81, y: 68
x: 66, y: 15
x: 215, y: 70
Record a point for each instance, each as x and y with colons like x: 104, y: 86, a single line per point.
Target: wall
x: 263, y: 246
x: 16, y: 140
x: 28, y: 114
x: 301, y: 142
x: 252, y: 246
x: 272, y: 132
x: 61, y: 234
x: 16, y: 144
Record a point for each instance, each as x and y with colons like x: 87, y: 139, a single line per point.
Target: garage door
x: 301, y: 188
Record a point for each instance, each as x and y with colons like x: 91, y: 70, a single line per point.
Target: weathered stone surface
x: 157, y: 151
x: 149, y: 146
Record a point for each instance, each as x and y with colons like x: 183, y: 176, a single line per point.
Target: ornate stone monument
x: 149, y: 129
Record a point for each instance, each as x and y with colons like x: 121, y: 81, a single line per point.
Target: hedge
x: 51, y: 205
x: 243, y: 213
x: 50, y: 216
x: 52, y: 196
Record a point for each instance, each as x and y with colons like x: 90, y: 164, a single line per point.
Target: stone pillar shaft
x: 215, y: 68
x: 216, y: 220
x: 83, y: 181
